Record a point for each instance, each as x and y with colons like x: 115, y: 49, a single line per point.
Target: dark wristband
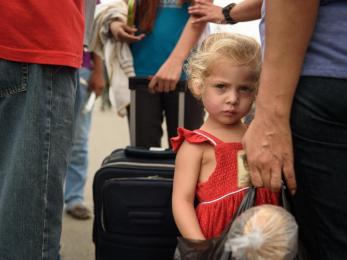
x: 226, y: 12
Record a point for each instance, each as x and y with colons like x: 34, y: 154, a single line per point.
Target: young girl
x: 223, y: 73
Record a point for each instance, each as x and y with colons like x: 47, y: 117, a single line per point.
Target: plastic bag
x: 221, y: 248
x: 211, y: 249
x: 262, y: 233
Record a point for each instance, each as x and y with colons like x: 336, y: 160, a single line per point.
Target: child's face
x: 228, y: 92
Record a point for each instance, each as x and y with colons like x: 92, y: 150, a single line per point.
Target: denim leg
x: 78, y: 167
x: 319, y: 125
x: 36, y: 121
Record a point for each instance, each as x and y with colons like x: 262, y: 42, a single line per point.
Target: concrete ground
x: 108, y: 132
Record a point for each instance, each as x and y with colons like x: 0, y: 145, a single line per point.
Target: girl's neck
x: 225, y: 132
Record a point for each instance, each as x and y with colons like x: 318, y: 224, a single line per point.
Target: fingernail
x: 293, y: 191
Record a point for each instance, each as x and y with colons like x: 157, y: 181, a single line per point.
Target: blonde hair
x: 237, y: 48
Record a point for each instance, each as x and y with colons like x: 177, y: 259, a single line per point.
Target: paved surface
x: 108, y: 132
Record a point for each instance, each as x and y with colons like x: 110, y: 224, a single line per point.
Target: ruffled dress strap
x: 196, y: 136
x: 211, y: 138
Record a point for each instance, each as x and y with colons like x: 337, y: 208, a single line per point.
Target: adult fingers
x: 152, y: 83
x: 129, y: 29
x: 125, y: 37
x: 198, y: 10
x: 289, y: 176
x: 156, y: 85
x: 256, y: 179
x: 265, y: 175
x: 201, y: 3
x: 173, y: 84
x: 165, y: 85
x: 160, y: 86
x: 203, y: 19
x: 168, y: 86
x: 276, y: 176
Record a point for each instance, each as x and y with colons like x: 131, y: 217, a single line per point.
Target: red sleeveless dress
x: 219, y: 197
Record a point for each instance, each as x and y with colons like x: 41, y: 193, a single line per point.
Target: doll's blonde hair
x: 241, y: 50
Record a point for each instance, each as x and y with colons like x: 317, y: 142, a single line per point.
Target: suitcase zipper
x: 139, y: 165
x: 151, y: 177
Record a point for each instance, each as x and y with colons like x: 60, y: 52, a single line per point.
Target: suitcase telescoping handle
x: 142, y: 82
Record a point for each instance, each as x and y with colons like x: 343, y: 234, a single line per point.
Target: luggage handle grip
x: 144, y: 153
x: 142, y: 83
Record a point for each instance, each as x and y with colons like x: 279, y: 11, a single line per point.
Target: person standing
x: 40, y: 51
x: 299, y: 132
x: 91, y: 79
x: 160, y: 42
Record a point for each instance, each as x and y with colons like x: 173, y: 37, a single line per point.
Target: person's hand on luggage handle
x: 269, y: 149
x: 205, y: 11
x: 125, y: 33
x: 167, y: 76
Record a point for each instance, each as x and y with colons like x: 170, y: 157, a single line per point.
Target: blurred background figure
x: 92, y: 82
x: 160, y: 42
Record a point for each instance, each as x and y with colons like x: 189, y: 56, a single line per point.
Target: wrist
x: 176, y: 59
x: 226, y: 14
x: 97, y: 71
x: 274, y: 110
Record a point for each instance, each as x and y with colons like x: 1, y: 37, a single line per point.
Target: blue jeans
x: 319, y: 126
x: 78, y: 167
x: 36, y: 123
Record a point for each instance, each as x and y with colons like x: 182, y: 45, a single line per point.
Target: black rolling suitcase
x: 132, y: 202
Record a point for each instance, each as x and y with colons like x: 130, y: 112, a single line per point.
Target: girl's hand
x: 166, y: 78
x: 205, y: 11
x: 124, y: 33
x: 269, y: 149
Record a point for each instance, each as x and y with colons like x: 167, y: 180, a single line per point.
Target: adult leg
x: 78, y: 167
x: 36, y: 122
x: 149, y: 118
x: 193, y: 113
x: 319, y: 125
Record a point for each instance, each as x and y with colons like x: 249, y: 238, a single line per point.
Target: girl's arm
x: 187, y: 169
x: 169, y: 73
x: 289, y: 26
x: 247, y: 10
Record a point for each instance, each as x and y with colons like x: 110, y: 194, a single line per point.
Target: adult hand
x: 205, y: 11
x: 269, y: 149
x: 125, y: 33
x: 97, y: 82
x: 166, y: 78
